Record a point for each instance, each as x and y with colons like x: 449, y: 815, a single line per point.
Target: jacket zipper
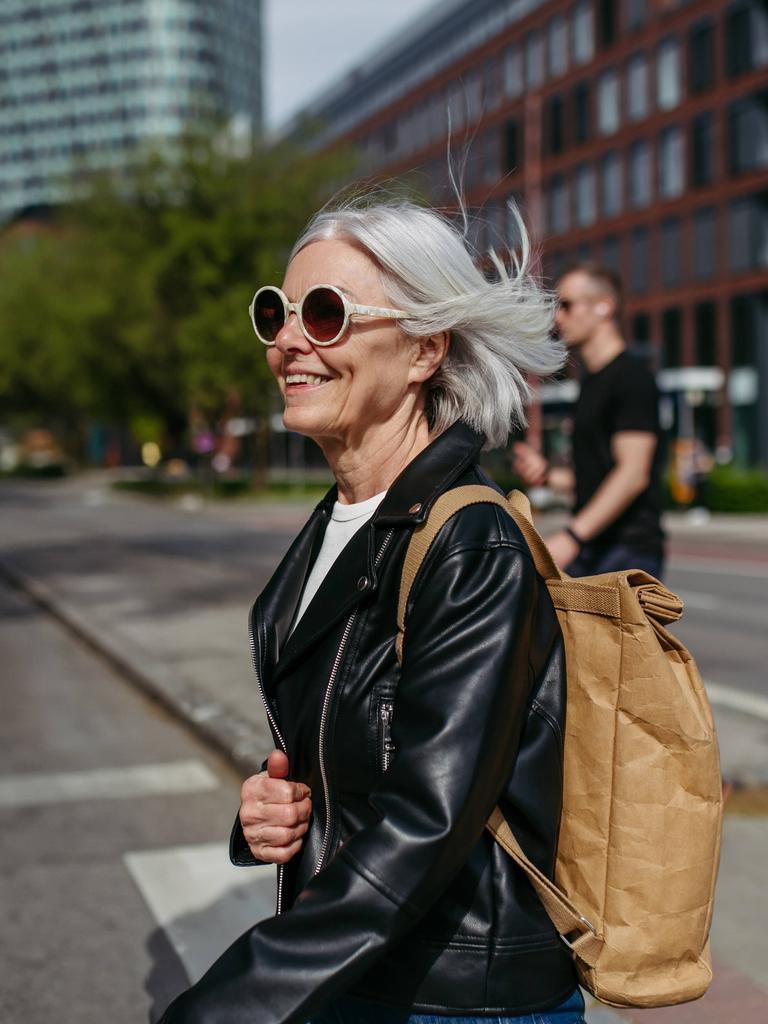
x: 386, y: 746
x: 324, y: 716
x: 276, y: 732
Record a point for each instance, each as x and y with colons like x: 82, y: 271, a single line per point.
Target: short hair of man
x: 607, y: 281
x: 500, y: 331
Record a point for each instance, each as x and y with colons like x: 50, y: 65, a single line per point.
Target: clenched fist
x: 274, y: 812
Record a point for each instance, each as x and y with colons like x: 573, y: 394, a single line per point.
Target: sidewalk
x: 164, y: 596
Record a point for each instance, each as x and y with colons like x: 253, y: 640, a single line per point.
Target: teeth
x: 305, y: 378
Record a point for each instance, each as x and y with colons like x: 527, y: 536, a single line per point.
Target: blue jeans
x: 591, y: 561
x: 349, y: 1010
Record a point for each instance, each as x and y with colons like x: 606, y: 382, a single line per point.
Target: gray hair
x: 499, y: 330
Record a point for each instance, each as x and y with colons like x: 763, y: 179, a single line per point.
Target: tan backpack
x: 640, y: 829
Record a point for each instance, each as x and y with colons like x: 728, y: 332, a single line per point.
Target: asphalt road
x: 113, y: 866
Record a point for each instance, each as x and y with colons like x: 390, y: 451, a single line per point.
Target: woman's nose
x: 290, y: 337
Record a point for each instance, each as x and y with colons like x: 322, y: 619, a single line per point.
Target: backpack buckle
x: 590, y: 927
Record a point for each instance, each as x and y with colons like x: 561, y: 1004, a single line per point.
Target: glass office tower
x: 83, y: 82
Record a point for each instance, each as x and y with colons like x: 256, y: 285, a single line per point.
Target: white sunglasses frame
x: 350, y: 309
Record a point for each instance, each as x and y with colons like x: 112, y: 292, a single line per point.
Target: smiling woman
x: 402, y: 361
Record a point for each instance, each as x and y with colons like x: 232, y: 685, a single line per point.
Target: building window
x: 491, y: 157
x: 637, y: 87
x: 581, y: 113
x: 668, y: 80
x: 491, y: 92
x: 559, y: 212
x: 671, y: 163
x: 671, y: 255
x: 705, y: 334
x: 611, y: 184
x: 557, y: 45
x: 610, y: 254
x: 701, y: 57
x: 513, y: 72
x: 586, y: 207
x: 671, y: 338
x: 583, y: 28
x: 606, y: 14
x: 608, y: 103
x: 512, y: 145
x: 702, y: 149
x: 746, y: 37
x: 473, y: 92
x: 748, y: 133
x: 553, y: 125
x: 640, y: 332
x: 534, y: 59
x: 640, y: 174
x: 635, y: 13
x: 704, y: 244
x: 749, y: 233
x: 639, y: 262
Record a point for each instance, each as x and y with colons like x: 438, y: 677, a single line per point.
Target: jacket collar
x: 411, y: 496
x: 354, y: 573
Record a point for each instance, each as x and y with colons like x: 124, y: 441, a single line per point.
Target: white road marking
x: 718, y: 566
x: 737, y: 700
x: 37, y: 788
x: 201, y: 901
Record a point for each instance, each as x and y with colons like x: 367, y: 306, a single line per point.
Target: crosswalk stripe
x: 38, y: 788
x: 200, y: 900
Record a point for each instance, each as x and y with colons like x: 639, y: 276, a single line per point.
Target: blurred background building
x: 84, y: 82
x: 633, y: 132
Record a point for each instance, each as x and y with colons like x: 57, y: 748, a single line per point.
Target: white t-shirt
x: 345, y: 521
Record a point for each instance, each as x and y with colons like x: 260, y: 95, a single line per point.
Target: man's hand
x: 274, y: 812
x: 530, y: 465
x: 563, y: 548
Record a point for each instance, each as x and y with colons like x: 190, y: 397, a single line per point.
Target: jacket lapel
x: 274, y: 610
x: 347, y: 582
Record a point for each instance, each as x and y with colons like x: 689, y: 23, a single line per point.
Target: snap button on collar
x: 362, y: 583
x: 415, y: 508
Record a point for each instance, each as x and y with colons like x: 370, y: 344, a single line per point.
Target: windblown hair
x: 499, y: 330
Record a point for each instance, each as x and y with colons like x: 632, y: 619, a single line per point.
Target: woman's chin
x: 301, y: 421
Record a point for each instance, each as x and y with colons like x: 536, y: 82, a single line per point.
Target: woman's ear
x: 429, y: 354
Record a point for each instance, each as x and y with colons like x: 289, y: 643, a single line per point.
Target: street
x: 115, y: 823
x: 115, y: 808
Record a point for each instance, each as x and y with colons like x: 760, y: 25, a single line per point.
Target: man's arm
x: 633, y: 452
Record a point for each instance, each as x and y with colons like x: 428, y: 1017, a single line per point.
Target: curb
x: 236, y: 740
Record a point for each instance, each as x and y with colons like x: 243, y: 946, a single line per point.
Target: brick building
x: 634, y: 132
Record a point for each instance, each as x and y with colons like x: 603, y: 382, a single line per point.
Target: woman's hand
x: 274, y: 812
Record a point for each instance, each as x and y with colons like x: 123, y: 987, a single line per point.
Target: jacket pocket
x: 385, y: 748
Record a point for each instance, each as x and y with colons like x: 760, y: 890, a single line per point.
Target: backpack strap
x: 563, y: 914
x: 586, y: 944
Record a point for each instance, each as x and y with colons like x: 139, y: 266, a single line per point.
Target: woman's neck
x: 372, y: 463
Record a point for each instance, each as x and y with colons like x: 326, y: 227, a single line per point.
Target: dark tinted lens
x: 323, y: 314
x: 268, y: 314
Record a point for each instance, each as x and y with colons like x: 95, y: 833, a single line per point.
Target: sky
x: 309, y: 44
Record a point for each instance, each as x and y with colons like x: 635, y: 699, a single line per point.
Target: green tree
x: 133, y: 305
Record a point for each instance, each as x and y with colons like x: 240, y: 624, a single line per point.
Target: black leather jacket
x: 398, y: 895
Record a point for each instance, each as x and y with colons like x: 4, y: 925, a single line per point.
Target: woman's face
x: 365, y: 379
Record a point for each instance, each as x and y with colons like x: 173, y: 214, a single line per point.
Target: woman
x: 401, y: 360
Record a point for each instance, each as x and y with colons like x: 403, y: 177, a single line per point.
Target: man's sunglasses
x: 323, y: 313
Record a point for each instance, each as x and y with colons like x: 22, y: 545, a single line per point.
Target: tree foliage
x: 131, y: 306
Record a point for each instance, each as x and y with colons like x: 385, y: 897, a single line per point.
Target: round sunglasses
x: 323, y: 313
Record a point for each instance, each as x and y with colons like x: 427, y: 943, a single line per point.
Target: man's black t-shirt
x: 620, y: 396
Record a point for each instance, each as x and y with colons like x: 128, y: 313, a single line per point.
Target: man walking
x: 616, y: 518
